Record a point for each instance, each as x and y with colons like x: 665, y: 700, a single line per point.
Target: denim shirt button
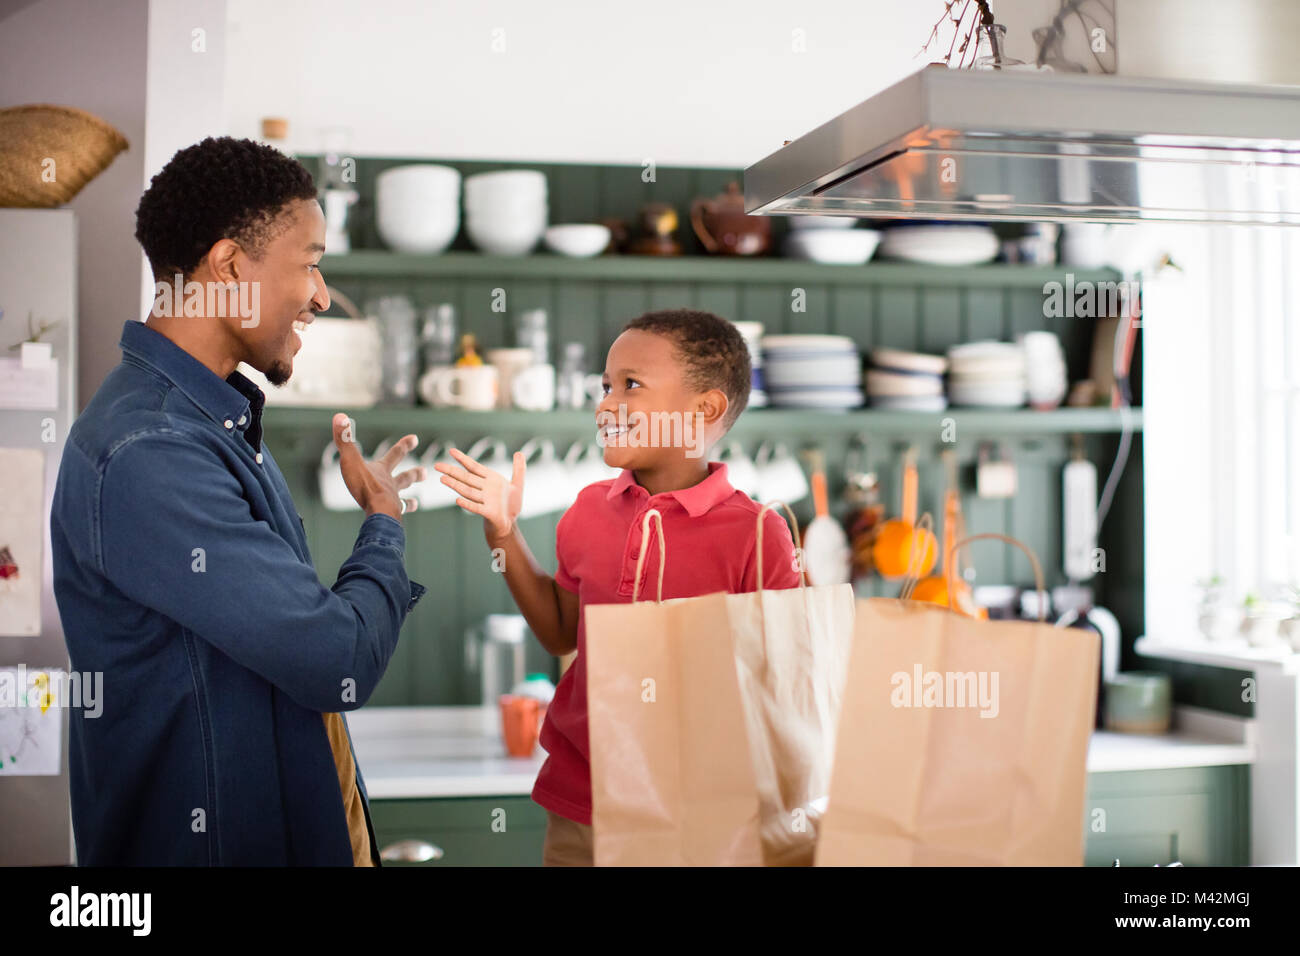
x: 242, y: 419
x: 228, y: 423
x: 259, y: 457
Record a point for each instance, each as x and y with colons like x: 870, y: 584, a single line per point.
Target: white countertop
x: 437, y: 752
x: 1236, y: 654
x: 412, y: 752
x: 1199, y: 738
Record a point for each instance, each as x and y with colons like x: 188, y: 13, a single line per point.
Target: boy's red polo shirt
x: 709, y: 536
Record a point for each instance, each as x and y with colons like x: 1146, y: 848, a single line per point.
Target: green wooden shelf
x: 370, y: 263
x: 752, y: 423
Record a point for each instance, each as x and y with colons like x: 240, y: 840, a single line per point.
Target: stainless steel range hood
x: 1022, y: 145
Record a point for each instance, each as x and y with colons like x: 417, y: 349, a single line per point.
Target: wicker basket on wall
x: 48, y: 153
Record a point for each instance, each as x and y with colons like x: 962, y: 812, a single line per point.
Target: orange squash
x: 892, y: 554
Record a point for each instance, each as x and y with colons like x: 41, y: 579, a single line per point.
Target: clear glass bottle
x: 531, y: 332
x: 990, y: 51
x: 569, y: 390
x: 438, y: 335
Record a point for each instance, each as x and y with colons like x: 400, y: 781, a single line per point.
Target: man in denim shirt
x: 181, y: 567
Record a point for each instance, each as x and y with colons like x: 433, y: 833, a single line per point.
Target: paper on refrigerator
x: 31, y: 722
x: 22, y: 527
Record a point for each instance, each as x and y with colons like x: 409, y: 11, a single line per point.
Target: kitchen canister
x: 1138, y: 702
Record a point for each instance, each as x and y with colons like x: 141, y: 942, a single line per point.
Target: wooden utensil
x: 825, y: 545
x: 934, y: 589
x: 892, y: 552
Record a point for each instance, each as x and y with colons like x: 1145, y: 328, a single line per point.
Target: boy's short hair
x: 221, y: 188
x: 712, y: 350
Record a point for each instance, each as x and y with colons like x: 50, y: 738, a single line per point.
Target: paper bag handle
x: 1029, y: 553
x: 640, y: 558
x: 798, y: 546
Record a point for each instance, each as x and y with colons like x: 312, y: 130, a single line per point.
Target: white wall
x: 714, y: 83
x: 717, y: 83
x: 133, y: 64
x: 185, y: 89
x: 90, y: 55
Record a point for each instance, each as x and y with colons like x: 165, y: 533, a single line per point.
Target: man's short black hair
x: 711, y: 349
x: 221, y: 188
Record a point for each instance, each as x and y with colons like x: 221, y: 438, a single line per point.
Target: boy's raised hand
x: 485, y: 492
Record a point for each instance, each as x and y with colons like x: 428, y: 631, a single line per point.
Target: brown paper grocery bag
x: 671, y: 778
x: 961, y: 742
x: 792, y: 652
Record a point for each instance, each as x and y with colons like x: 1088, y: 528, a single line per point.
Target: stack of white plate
x: 417, y: 207
x: 1045, y: 369
x: 812, y: 371
x: 943, y: 245
x: 987, y: 375
x: 906, y: 381
x: 752, y: 333
x: 506, y: 212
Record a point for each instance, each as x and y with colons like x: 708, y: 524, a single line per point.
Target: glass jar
x: 398, y: 348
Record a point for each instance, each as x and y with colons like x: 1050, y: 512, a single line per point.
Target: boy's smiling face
x: 645, y: 372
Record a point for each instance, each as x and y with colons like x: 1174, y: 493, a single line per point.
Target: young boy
x: 674, y: 383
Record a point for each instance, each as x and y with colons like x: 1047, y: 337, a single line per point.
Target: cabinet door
x: 477, y: 831
x: 1196, y: 816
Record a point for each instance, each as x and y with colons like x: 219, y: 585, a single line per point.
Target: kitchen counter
x: 437, y: 752
x: 429, y: 752
x: 1198, y: 738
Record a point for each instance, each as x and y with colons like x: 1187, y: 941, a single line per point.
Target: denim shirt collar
x: 234, y: 399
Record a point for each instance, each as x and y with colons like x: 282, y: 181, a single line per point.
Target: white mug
x: 432, y: 492
x: 499, y: 461
x: 407, y: 463
x: 741, y: 472
x: 780, y: 476
x: 469, y: 386
x: 508, y: 363
x: 334, y: 493
x: 533, y: 388
x: 546, y: 480
x: 586, y: 464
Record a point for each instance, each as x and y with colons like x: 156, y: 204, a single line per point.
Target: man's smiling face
x: 290, y: 290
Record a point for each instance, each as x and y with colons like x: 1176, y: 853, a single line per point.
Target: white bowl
x: 909, y: 403
x: 494, y: 204
x: 420, y: 180
x: 808, y: 343
x: 578, y: 240
x: 517, y: 183
x: 900, y: 360
x: 427, y: 236
x: 897, y: 384
x: 417, y: 207
x: 840, y: 370
x: 825, y: 398
x: 1006, y: 394
x: 822, y: 222
x: 952, y: 245
x: 497, y: 239
x: 834, y: 246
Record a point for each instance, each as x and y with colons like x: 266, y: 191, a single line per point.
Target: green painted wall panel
x: 918, y: 308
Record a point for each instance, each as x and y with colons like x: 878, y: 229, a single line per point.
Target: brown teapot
x: 723, y: 227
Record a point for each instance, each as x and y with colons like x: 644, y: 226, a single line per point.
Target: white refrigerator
x: 38, y: 284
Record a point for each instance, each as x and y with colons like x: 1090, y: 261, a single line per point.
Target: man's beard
x: 278, y: 373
